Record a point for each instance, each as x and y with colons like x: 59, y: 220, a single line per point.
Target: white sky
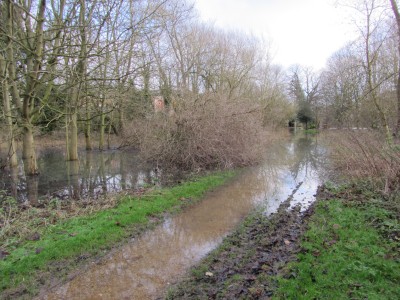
x: 304, y: 32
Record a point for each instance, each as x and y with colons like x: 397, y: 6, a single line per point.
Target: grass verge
x: 57, y: 249
x: 350, y: 250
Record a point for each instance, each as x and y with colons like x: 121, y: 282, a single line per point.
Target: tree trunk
x: 121, y: 124
x: 73, y: 135
x: 12, y: 149
x: 371, y: 81
x: 88, y: 140
x: 32, y: 187
x: 78, y: 81
x: 33, y: 61
x: 88, y: 124
x: 12, y: 154
x: 109, y: 131
x: 102, y: 129
x: 397, y: 16
x: 28, y: 150
x: 380, y: 110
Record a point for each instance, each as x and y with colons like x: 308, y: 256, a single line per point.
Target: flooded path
x: 144, y: 268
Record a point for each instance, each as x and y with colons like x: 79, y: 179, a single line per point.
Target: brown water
x: 144, y: 268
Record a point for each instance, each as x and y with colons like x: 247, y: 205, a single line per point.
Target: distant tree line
x: 360, y: 85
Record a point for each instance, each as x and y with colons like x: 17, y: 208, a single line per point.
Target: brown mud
x: 245, y: 265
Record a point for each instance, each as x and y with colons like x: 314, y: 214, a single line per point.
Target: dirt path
x: 243, y: 266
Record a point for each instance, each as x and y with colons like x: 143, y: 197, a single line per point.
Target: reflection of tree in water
x: 102, y: 173
x: 309, y: 156
x: 99, y: 173
x: 14, y: 181
x: 300, y: 155
x: 95, y: 174
x: 73, y: 179
x: 32, y: 184
x: 277, y: 155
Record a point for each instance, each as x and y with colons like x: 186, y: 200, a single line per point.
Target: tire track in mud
x: 245, y: 265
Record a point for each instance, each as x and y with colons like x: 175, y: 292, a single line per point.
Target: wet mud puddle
x: 144, y: 268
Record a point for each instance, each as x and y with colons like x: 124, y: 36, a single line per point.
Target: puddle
x: 144, y: 268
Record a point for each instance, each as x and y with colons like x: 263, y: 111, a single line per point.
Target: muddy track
x: 245, y: 265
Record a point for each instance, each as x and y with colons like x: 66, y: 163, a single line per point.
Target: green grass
x: 347, y: 254
x: 311, y: 131
x: 87, y: 236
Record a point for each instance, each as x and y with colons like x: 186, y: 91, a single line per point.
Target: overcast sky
x: 304, y: 32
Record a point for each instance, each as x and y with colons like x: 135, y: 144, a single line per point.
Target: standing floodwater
x: 96, y: 173
x: 144, y: 268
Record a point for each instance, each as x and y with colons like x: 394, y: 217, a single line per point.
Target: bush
x: 366, y: 155
x: 206, y: 133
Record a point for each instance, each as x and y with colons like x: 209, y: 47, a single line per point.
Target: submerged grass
x: 350, y: 251
x: 81, y: 237
x: 311, y: 131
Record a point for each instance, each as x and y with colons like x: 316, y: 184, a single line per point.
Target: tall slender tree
x: 25, y: 33
x: 396, y: 13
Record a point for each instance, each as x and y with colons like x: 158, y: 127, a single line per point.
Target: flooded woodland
x: 95, y: 174
x: 139, y: 142
x: 148, y: 265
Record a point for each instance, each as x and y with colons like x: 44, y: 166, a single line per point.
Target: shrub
x: 203, y: 133
x: 366, y: 155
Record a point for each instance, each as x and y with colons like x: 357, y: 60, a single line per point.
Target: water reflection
x: 296, y: 169
x: 144, y: 268
x: 95, y: 174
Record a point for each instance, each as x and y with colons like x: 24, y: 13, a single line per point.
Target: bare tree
x: 25, y: 33
x: 371, y: 21
x: 342, y: 88
x: 12, y: 150
x: 396, y: 13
